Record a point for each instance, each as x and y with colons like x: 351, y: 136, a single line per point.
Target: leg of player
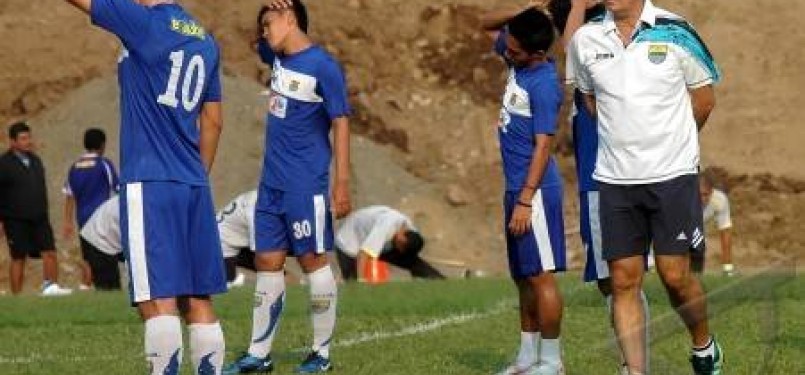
x: 687, y: 296
x: 323, y: 300
x: 605, y: 287
x: 17, y: 275
x: 269, y: 297
x: 629, y: 318
x: 528, y: 354
x: 549, y: 312
x: 207, y: 347
x: 163, y: 335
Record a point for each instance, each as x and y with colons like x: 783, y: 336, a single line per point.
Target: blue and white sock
x: 323, y: 300
x: 163, y: 344
x: 207, y: 348
x: 269, y: 301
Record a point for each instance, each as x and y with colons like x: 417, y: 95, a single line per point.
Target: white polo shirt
x: 718, y: 209
x: 646, y: 129
x: 370, y: 229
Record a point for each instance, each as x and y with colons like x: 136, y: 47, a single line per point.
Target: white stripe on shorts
x: 320, y: 212
x: 593, y: 213
x: 136, y: 228
x: 539, y: 226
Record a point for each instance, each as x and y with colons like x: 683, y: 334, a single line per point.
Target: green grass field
x: 454, y: 327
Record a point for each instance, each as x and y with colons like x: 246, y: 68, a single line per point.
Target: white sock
x: 207, y: 348
x: 163, y: 344
x: 550, y: 351
x: 528, y: 353
x: 707, y: 350
x: 269, y: 298
x: 323, y: 298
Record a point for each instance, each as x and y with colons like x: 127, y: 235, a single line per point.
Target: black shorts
x: 28, y: 238
x: 667, y: 215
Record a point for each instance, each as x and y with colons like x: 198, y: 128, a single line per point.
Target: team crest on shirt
x: 277, y: 105
x: 294, y: 85
x: 657, y: 53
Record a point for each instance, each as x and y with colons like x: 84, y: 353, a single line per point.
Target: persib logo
x: 188, y: 28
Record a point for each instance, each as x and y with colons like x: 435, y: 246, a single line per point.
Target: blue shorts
x: 170, y: 240
x: 541, y: 249
x: 298, y: 223
x: 595, y: 267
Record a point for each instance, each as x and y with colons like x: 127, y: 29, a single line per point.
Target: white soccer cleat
x: 517, y: 369
x: 52, y: 290
x: 240, y: 280
x: 84, y: 287
x: 544, y: 368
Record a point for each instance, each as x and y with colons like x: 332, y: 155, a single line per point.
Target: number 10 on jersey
x: 195, y: 68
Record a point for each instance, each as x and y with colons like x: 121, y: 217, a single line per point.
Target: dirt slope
x: 424, y: 84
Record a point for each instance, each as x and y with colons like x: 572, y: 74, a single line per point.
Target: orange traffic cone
x: 376, y: 272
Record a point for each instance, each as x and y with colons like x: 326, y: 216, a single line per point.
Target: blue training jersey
x: 91, y: 181
x: 308, y: 91
x: 167, y: 70
x: 531, y: 106
x: 585, y: 143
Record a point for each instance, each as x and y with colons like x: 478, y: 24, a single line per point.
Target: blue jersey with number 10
x: 167, y: 70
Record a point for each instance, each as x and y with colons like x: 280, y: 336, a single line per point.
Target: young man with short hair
x: 170, y: 103
x: 647, y: 77
x: 308, y: 98
x: 24, y: 212
x: 716, y: 209
x: 92, y: 180
x: 533, y: 197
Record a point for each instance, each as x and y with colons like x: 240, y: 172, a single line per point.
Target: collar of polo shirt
x: 648, y: 16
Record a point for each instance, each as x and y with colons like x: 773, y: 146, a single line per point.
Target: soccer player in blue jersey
x: 308, y: 98
x: 170, y: 95
x: 568, y: 16
x: 533, y: 199
x: 92, y: 180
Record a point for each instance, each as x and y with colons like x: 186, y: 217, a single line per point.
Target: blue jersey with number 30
x: 167, y: 70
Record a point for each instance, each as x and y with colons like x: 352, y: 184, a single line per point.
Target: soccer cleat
x: 709, y: 365
x: 517, y: 369
x: 51, y: 289
x: 84, y: 287
x: 249, y: 364
x: 239, y: 281
x: 313, y: 364
x: 544, y: 368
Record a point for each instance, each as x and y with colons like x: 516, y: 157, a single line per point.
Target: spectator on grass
x: 24, y: 212
x: 92, y: 180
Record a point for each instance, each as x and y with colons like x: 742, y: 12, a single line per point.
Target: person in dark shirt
x: 24, y: 211
x: 92, y: 180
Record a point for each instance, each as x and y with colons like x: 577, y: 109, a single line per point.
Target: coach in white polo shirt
x: 648, y: 77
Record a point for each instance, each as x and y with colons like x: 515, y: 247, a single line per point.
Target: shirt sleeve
x: 213, y: 93
x: 333, y: 88
x: 111, y: 175
x: 695, y: 73
x: 265, y: 52
x: 545, y: 101
x: 381, y: 233
x: 575, y: 72
x: 124, y: 18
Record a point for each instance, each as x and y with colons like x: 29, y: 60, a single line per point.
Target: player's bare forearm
x: 574, y: 20
x: 703, y: 100
x: 539, y: 162
x: 341, y: 199
x: 210, y: 125
x: 84, y: 5
x: 589, y: 103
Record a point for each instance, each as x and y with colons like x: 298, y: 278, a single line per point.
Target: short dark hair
x: 413, y: 242
x: 299, y: 11
x: 560, y: 10
x: 533, y: 30
x: 18, y: 128
x: 94, y: 139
